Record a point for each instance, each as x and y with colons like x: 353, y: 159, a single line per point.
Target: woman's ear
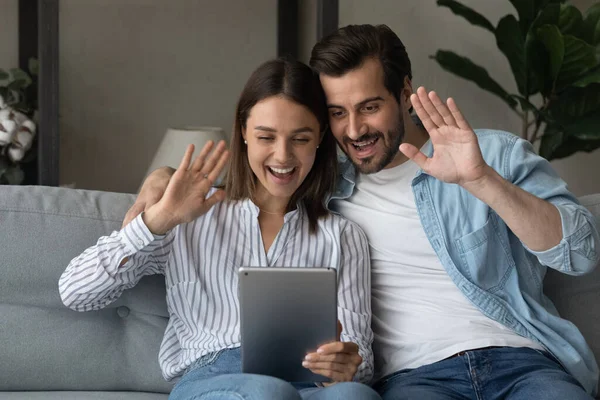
x: 323, y: 133
x: 244, y: 134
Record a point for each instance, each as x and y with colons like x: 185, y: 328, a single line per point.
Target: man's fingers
x: 461, y: 122
x: 422, y: 113
x: 442, y: 109
x: 414, y: 154
x: 429, y: 107
x: 135, y: 210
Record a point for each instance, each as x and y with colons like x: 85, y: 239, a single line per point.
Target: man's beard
x: 370, y: 165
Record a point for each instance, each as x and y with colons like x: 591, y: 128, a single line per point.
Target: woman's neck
x: 270, y: 204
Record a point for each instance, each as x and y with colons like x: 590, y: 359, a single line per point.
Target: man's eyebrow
x: 359, y: 104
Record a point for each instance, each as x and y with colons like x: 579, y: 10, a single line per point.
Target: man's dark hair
x: 348, y: 47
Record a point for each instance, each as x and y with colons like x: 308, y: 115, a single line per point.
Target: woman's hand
x: 184, y: 199
x: 338, y: 361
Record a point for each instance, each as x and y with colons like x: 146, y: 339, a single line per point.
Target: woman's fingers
x: 199, y: 160
x: 216, y: 171
x: 187, y: 157
x: 213, y: 160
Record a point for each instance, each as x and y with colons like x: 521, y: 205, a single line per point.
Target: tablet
x: 286, y: 313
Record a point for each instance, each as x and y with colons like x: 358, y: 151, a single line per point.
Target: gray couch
x: 48, y: 351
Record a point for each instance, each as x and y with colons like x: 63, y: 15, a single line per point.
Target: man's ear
x: 406, y: 92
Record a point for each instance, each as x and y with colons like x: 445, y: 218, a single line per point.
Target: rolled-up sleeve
x: 578, y: 251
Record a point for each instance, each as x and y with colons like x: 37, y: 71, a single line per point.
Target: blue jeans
x: 485, y: 374
x: 218, y: 376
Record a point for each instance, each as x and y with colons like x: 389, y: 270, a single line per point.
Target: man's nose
x: 356, y: 127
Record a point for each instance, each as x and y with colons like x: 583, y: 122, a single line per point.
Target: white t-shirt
x: 419, y: 315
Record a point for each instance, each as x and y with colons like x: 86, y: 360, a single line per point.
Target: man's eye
x: 337, y: 114
x: 370, y: 108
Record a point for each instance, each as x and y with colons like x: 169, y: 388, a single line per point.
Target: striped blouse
x: 200, y: 260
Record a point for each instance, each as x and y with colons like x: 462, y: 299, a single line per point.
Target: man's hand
x: 185, y: 198
x: 456, y: 154
x: 152, y: 190
x: 338, y: 361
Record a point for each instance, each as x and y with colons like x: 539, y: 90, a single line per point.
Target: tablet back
x: 285, y: 314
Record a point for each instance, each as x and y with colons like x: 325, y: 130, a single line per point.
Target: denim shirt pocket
x: 485, y: 256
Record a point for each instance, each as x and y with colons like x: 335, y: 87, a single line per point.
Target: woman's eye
x: 265, y: 138
x: 302, y: 140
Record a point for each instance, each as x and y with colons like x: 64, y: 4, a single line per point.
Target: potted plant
x: 553, y: 51
x: 18, y: 105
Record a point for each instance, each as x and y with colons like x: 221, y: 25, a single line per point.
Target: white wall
x: 128, y: 70
x: 424, y: 28
x: 9, y: 33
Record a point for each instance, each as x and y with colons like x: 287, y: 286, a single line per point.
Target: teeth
x: 363, y: 144
x: 282, y: 171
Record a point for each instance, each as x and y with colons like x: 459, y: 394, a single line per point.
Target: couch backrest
x: 577, y: 298
x: 46, y: 346
x: 43, y: 344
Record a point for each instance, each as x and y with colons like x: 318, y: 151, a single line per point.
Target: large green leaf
x: 525, y: 104
x: 550, y: 15
x: 511, y: 42
x: 570, y: 21
x: 586, y: 127
x: 579, y: 58
x: 529, y: 11
x: 14, y: 175
x: 552, y: 138
x: 592, y: 76
x: 466, y: 69
x: 575, y: 102
x: 20, y: 75
x: 552, y: 39
x: 3, y: 75
x: 33, y: 66
x: 572, y: 145
x: 468, y: 13
x: 592, y: 24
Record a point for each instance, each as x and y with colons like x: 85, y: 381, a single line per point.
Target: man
x: 461, y: 225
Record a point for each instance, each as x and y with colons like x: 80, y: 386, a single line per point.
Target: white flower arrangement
x: 17, y: 123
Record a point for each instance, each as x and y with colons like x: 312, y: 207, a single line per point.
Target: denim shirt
x: 489, y: 264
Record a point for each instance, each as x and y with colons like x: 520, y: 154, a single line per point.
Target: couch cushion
x: 82, y: 396
x: 46, y: 346
x: 577, y: 298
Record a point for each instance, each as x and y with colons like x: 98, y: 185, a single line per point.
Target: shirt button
x: 123, y: 311
x: 140, y: 242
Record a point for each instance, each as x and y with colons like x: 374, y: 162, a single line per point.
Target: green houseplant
x: 553, y: 51
x: 18, y: 105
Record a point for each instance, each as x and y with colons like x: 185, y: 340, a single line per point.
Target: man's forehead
x: 363, y: 82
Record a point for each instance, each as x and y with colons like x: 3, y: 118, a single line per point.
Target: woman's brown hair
x: 299, y: 83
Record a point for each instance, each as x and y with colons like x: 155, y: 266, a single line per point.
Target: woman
x: 270, y: 213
